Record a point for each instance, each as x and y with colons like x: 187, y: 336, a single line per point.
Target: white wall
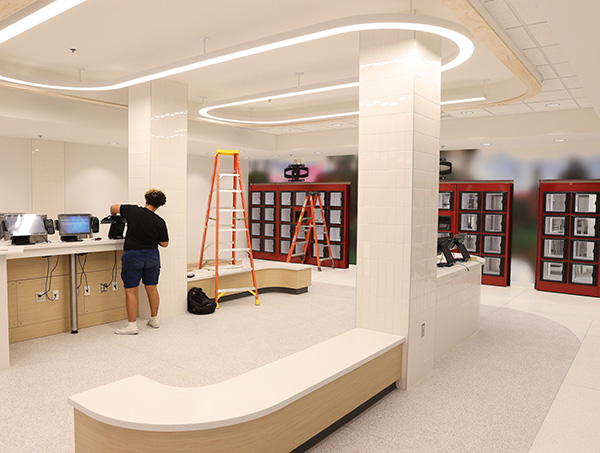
x: 15, y: 175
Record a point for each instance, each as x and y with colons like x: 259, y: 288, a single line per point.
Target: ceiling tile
x: 564, y: 105
x: 535, y: 56
x: 552, y: 85
x: 578, y: 93
x: 546, y: 71
x: 554, y: 54
x: 509, y: 109
x: 543, y: 34
x: 550, y: 96
x: 572, y: 82
x: 584, y: 103
x: 502, y: 13
x: 520, y: 38
x: 476, y: 113
x: 564, y: 69
x: 528, y: 10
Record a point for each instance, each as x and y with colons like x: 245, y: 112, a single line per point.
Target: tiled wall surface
x: 47, y: 177
x: 397, y: 187
x: 158, y: 159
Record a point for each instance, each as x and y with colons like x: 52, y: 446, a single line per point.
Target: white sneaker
x: 153, y: 322
x: 129, y: 329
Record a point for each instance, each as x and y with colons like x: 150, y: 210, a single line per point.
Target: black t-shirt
x: 145, y: 229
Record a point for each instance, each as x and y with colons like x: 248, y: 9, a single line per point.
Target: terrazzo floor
x: 528, y: 380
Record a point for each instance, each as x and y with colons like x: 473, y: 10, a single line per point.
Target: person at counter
x: 146, y: 230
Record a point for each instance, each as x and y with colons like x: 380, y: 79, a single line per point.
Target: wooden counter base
x: 280, y: 431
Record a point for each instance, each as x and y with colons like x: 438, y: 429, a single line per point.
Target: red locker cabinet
x: 481, y: 210
x: 274, y: 210
x: 568, y: 233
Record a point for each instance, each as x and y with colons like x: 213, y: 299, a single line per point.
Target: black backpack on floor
x: 198, y: 302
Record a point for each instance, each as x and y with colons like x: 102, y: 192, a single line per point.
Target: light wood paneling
x: 98, y: 301
x: 26, y: 268
x: 40, y: 329
x: 280, y: 431
x: 99, y: 261
x: 102, y: 317
x: 12, y: 304
x: 8, y: 8
x: 265, y: 278
x: 31, y: 312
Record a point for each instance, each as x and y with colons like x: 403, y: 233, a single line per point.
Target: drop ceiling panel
x: 564, y: 105
x: 554, y: 54
x: 546, y: 71
x: 521, y: 38
x: 542, y: 34
x: 502, y: 13
x: 550, y: 96
x: 564, y: 70
x: 528, y: 10
x: 509, y: 109
x: 535, y: 56
x: 572, y: 82
x: 578, y: 93
x: 552, y: 85
x: 476, y: 113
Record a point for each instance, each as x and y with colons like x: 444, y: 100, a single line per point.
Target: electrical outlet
x: 103, y: 287
x: 86, y: 291
x: 422, y: 330
x: 115, y: 287
x: 55, y: 294
x: 40, y: 297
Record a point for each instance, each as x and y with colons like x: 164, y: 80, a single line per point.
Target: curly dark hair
x: 155, y: 198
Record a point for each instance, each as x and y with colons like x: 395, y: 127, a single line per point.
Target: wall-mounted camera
x: 295, y: 172
x: 445, y: 168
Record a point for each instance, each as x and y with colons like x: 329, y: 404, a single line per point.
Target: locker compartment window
x: 494, y: 223
x: 492, y: 244
x: 556, y: 202
x: 336, y: 252
x: 444, y: 234
x: 445, y: 200
x: 336, y: 199
x: 584, y: 250
x: 286, y: 214
x: 269, y: 229
x: 583, y: 274
x: 255, y: 244
x: 335, y: 217
x: 299, y: 198
x: 256, y: 197
x: 471, y: 243
x: 444, y: 222
x: 469, y: 222
x: 255, y: 229
x: 555, y: 225
x: 335, y: 234
x: 269, y: 246
x: 270, y: 214
x: 494, y: 201
x: 585, y: 202
x: 320, y: 233
x: 270, y: 198
x: 552, y: 271
x: 255, y: 213
x: 492, y: 266
x: 323, y: 199
x: 285, y: 231
x: 584, y: 226
x: 286, y: 198
x: 284, y: 247
x: 554, y: 248
x: 469, y: 201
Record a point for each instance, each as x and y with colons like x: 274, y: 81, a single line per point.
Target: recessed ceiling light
x: 485, y: 144
x: 433, y: 25
x: 560, y: 140
x: 553, y: 104
x: 337, y: 124
x: 466, y: 112
x: 113, y: 143
x: 285, y: 129
x: 318, y: 152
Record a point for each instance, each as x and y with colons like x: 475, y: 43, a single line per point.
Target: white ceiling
x: 116, y: 38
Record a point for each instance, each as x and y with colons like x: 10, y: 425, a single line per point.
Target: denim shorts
x: 140, y: 264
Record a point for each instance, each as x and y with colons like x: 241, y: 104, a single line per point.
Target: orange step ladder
x: 310, y: 207
x: 236, y: 189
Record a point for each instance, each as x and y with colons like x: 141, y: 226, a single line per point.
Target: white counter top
x: 60, y: 248
x: 459, y: 266
x: 140, y: 403
x: 207, y: 273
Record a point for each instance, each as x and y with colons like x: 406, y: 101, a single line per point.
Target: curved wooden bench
x: 276, y: 407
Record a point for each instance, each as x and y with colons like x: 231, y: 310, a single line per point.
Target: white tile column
x: 399, y: 124
x: 158, y: 159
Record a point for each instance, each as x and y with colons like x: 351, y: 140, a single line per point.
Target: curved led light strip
x: 205, y: 111
x: 446, y: 29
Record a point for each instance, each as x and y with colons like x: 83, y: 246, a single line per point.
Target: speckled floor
x: 492, y: 393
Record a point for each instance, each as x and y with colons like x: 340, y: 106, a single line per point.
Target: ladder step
x: 229, y: 209
x: 231, y: 290
x: 233, y: 229
x: 297, y: 254
x: 235, y: 250
x: 230, y: 190
x: 326, y: 259
x: 229, y: 174
x: 301, y: 242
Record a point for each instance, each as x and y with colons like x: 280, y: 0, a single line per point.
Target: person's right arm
x: 163, y: 244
